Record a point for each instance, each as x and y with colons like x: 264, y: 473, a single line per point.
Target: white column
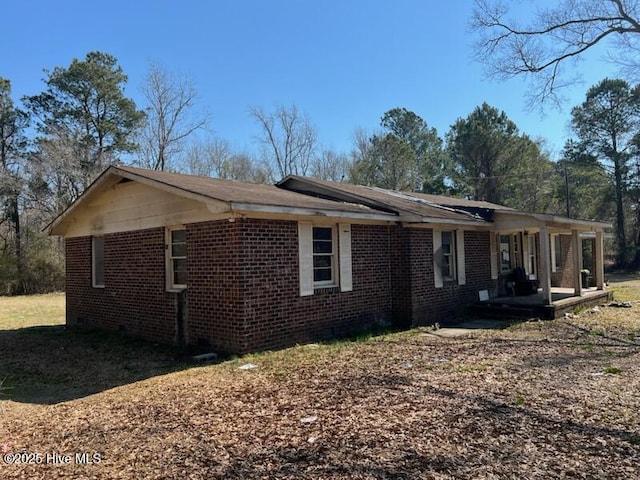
x: 545, y: 263
x: 598, y: 254
x: 577, y: 262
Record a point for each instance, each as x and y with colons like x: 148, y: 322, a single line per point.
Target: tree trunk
x: 620, y: 235
x: 14, y: 216
x: 635, y: 264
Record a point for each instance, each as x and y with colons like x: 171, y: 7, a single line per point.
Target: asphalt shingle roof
x: 234, y: 191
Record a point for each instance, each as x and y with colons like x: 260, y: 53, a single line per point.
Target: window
x: 324, y: 256
x: 448, y: 255
x: 517, y: 259
x: 555, y: 253
x: 97, y: 262
x: 177, y: 259
x: 505, y: 257
x: 531, y: 261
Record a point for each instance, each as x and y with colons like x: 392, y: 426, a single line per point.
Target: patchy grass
x: 613, y: 370
x: 528, y: 401
x: 43, y: 362
x: 31, y: 311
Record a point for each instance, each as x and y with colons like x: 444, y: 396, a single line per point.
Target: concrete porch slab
x: 467, y: 327
x: 532, y: 306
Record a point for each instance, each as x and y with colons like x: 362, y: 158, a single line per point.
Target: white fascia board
x: 106, y: 179
x: 277, y: 209
x: 451, y: 221
x: 556, y: 221
x: 110, y: 178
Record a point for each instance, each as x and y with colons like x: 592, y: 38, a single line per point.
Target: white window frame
x: 555, y: 252
x: 516, y: 250
x: 171, y: 286
x: 456, y: 257
x: 97, y: 282
x: 341, y: 261
x: 334, y: 280
x: 452, y: 274
x: 505, y: 254
x: 532, y: 257
x: 495, y: 254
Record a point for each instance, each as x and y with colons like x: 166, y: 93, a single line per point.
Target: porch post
x: 598, y: 260
x: 577, y: 263
x: 545, y: 263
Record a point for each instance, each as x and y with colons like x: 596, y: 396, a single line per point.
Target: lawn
x: 536, y: 400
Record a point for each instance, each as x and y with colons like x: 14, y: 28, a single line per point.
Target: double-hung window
x: 448, y: 255
x: 532, y: 262
x: 325, y: 257
x: 97, y: 262
x: 505, y: 254
x: 177, y: 258
x: 324, y: 260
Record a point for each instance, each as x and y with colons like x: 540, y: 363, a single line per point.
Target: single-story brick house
x: 243, y: 267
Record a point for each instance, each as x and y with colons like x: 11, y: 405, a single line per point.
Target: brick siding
x: 445, y: 304
x: 243, y: 285
x: 133, y: 299
x: 563, y: 277
x: 215, y: 303
x: 276, y: 315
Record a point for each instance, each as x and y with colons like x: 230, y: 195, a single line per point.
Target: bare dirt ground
x: 558, y: 399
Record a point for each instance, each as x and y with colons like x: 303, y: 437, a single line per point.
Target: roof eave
x: 544, y: 219
x: 114, y: 175
x: 454, y: 221
x: 305, y: 211
x: 53, y: 227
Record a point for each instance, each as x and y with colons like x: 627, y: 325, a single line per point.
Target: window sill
x: 325, y: 287
x: 97, y: 286
x: 176, y: 289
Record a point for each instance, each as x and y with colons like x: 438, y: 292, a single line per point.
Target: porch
x: 563, y: 300
x: 562, y: 256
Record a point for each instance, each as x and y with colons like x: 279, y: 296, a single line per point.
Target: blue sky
x: 343, y: 62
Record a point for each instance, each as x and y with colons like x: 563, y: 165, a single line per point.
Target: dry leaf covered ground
x: 556, y: 399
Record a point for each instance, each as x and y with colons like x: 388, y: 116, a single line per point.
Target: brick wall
x: 443, y: 305
x: 563, y: 277
x: 243, y: 285
x: 133, y: 299
x: 400, y: 277
x: 276, y: 315
x: 215, y: 310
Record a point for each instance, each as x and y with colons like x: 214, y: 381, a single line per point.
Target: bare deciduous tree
x: 331, y: 165
x: 171, y: 118
x: 554, y: 39
x: 207, y: 159
x: 288, y: 139
x: 217, y: 159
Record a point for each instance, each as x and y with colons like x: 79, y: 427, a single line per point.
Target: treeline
x: 53, y: 145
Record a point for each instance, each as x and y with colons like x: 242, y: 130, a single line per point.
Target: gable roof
x: 410, y: 206
x: 294, y: 195
x: 425, y: 208
x: 218, y: 194
x: 234, y: 192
